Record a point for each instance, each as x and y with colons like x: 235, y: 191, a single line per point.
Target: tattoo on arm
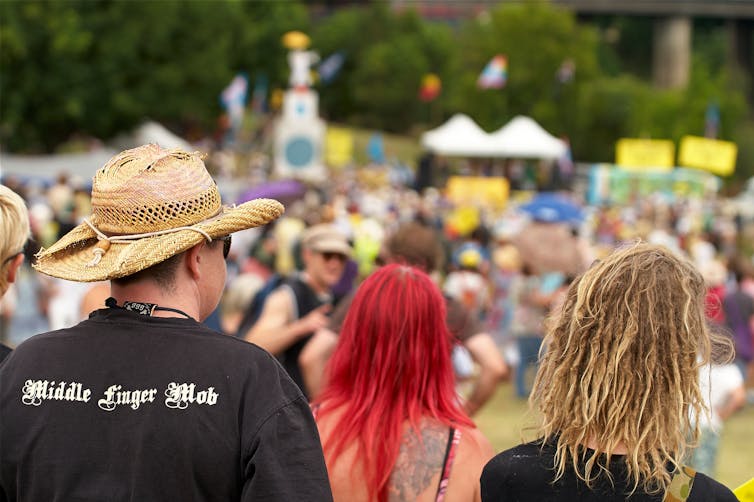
x: 418, y: 462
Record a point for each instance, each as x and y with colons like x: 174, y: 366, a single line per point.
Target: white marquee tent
x: 522, y: 137
x: 84, y: 165
x: 460, y: 136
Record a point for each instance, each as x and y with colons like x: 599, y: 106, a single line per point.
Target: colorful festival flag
x: 234, y: 96
x: 712, y: 120
x: 430, y: 87
x: 329, y: 68
x: 567, y: 71
x: 495, y: 74
x: 376, y: 149
x: 259, y: 95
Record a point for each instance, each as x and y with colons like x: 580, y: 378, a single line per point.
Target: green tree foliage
x: 387, y: 54
x: 257, y: 34
x: 537, y: 39
x: 599, y: 106
x: 99, y: 68
x: 625, y: 106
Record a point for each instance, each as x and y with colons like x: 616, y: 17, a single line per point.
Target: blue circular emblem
x: 299, y: 151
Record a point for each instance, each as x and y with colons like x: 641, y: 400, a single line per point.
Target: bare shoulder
x: 474, y: 451
x: 475, y: 445
x: 280, y: 296
x: 279, y: 303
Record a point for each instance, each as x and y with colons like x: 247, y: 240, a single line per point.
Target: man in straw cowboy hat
x: 140, y: 401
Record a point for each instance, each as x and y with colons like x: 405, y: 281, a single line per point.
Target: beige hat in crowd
x: 148, y: 205
x: 325, y: 238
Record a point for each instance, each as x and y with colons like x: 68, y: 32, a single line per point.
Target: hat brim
x: 71, y: 257
x: 333, y: 247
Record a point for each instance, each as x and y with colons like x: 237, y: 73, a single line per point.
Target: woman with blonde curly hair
x: 617, y: 388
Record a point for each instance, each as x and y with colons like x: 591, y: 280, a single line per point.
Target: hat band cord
x: 104, y: 240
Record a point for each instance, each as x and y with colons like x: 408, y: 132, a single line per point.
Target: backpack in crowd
x: 254, y: 310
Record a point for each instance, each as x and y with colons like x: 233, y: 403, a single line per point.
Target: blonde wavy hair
x: 14, y: 229
x: 620, y: 367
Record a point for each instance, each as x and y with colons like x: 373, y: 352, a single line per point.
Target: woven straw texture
x: 149, y: 189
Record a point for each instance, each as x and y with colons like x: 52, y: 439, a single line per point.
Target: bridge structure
x: 673, y: 26
x: 724, y: 9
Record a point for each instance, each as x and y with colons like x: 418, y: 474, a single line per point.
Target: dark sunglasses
x: 226, y: 244
x: 329, y: 255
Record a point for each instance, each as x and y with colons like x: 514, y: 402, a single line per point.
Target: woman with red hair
x: 391, y: 425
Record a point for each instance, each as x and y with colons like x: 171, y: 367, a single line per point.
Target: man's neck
x: 144, y: 292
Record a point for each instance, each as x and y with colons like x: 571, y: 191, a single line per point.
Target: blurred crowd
x: 508, y: 269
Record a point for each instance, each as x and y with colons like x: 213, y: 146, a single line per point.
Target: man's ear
x: 193, y: 260
x: 15, y: 264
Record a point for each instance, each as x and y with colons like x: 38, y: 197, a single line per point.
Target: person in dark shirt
x: 524, y: 473
x: 617, y: 389
x: 299, y: 307
x: 140, y: 401
x: 738, y: 306
x: 14, y: 232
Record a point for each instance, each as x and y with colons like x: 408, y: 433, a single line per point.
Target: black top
x: 525, y: 473
x: 4, y: 351
x: 306, y: 301
x: 124, y: 407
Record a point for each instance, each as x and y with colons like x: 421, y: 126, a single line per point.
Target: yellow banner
x: 712, y: 155
x: 476, y: 190
x: 630, y: 152
x: 338, y: 146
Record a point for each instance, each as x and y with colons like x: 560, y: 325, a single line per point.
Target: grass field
x: 504, y: 418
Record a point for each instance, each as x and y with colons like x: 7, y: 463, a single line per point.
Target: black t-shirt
x: 525, y: 473
x: 4, y: 351
x: 124, y: 407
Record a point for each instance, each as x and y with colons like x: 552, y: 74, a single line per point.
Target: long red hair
x: 392, y: 366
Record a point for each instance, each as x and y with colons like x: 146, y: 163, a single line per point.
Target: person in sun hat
x: 140, y: 401
x: 467, y: 283
x: 300, y: 305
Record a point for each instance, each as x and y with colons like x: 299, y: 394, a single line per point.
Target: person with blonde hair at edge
x: 15, y: 231
x: 617, y: 385
x: 392, y: 427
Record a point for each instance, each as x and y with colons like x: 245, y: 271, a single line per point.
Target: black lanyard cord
x: 142, y: 308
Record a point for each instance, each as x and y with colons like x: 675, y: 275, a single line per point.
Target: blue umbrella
x: 553, y: 208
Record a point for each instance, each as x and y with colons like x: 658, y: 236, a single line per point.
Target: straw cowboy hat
x: 148, y: 204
